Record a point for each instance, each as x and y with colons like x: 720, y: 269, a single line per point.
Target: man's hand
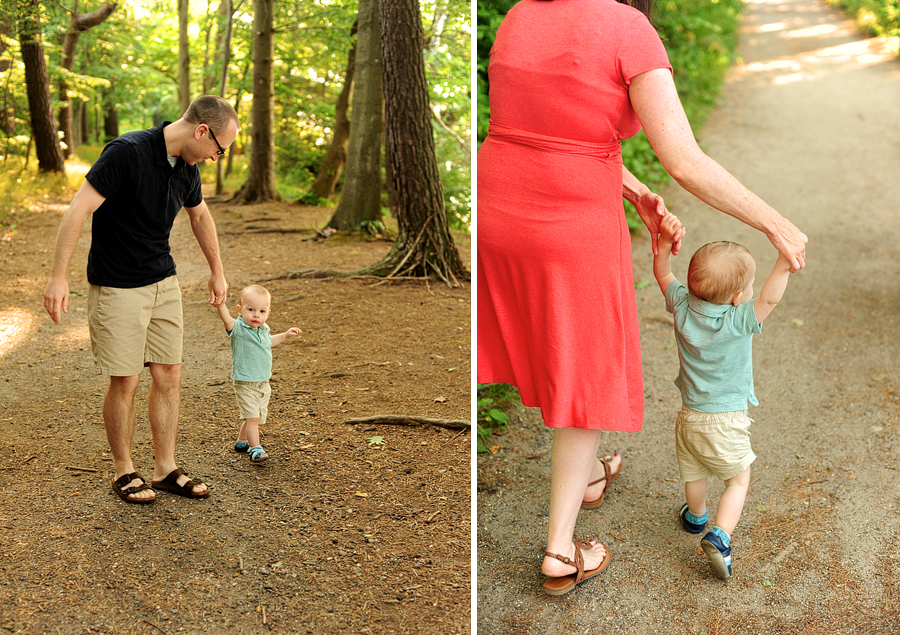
x: 56, y: 298
x: 218, y: 290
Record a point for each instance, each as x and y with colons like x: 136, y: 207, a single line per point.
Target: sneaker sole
x: 716, y: 560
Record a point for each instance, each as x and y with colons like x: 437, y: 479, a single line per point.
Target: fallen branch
x: 154, y: 626
x: 81, y: 469
x: 402, y: 420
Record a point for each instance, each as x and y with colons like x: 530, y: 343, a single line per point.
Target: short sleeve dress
x: 556, y: 312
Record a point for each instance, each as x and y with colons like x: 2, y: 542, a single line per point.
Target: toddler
x: 715, y: 319
x: 251, y: 362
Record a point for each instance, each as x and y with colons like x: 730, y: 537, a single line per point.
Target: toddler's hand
x: 291, y: 332
x: 670, y: 229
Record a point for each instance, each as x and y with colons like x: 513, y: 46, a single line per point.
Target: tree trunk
x: 225, y: 7
x: 7, y: 110
x: 110, y: 122
x: 43, y: 123
x: 336, y: 157
x: 424, y: 245
x: 77, y: 25
x: 260, y: 185
x: 208, y: 72
x: 361, y: 194
x: 184, y: 56
x: 85, y: 123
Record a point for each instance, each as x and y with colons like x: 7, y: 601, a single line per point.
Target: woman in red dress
x: 556, y: 309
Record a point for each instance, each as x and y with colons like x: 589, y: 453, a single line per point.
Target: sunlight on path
x: 15, y: 324
x: 817, y: 49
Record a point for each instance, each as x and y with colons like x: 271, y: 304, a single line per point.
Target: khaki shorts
x: 712, y: 444
x: 253, y: 399
x: 131, y: 328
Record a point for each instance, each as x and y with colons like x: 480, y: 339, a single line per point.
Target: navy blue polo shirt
x: 144, y: 193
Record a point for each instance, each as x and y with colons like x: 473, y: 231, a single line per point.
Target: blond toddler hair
x: 719, y: 270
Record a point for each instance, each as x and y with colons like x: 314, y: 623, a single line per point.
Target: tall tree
x: 226, y: 8
x: 184, y: 56
x: 336, y: 158
x: 260, y: 184
x: 423, y: 246
x: 78, y: 24
x: 7, y: 109
x: 361, y: 194
x: 43, y: 123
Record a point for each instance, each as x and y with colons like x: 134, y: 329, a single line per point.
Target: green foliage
x: 21, y: 188
x: 494, y: 400
x: 699, y: 36
x: 876, y: 17
x: 129, y: 64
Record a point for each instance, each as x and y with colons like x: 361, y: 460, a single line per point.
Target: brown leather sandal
x: 564, y: 584
x: 120, y: 487
x: 609, y: 477
x: 170, y: 484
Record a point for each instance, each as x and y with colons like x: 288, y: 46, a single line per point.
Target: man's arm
x: 669, y: 228
x: 773, y: 288
x: 204, y: 229
x: 56, y: 293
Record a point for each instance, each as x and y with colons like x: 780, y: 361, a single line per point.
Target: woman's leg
x: 572, y: 460
x: 595, y: 491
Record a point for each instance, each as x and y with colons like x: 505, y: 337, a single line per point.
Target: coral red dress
x: 556, y: 307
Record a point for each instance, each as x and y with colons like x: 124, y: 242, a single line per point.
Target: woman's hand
x: 790, y: 243
x: 652, y: 209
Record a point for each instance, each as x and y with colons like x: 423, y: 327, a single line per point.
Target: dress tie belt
x: 602, y: 151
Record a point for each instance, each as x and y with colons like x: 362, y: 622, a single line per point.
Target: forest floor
x: 345, y: 529
x: 809, y: 121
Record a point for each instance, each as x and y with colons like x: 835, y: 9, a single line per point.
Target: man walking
x: 134, y: 192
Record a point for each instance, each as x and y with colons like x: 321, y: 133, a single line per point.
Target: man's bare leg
x: 118, y: 418
x: 164, y: 410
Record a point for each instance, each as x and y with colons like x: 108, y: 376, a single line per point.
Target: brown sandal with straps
x: 564, y: 584
x: 121, y: 487
x: 609, y: 477
x: 170, y: 484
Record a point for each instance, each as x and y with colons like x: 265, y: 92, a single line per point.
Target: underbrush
x: 495, y: 403
x: 875, y: 17
x: 21, y: 187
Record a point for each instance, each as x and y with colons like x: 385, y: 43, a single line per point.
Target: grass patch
x: 495, y: 401
x: 22, y: 186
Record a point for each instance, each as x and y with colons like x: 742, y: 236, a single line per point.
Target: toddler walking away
x: 715, y: 319
x: 251, y: 364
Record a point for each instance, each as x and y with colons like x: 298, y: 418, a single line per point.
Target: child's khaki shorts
x: 253, y: 399
x: 131, y: 328
x: 712, y: 444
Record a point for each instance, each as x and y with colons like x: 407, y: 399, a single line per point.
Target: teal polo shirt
x: 251, y: 352
x: 715, y: 351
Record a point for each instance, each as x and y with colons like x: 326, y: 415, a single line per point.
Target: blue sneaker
x: 719, y: 555
x: 694, y: 528
x: 257, y: 454
x: 241, y: 446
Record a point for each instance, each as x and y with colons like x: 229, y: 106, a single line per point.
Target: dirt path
x: 810, y: 122
x: 335, y: 533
